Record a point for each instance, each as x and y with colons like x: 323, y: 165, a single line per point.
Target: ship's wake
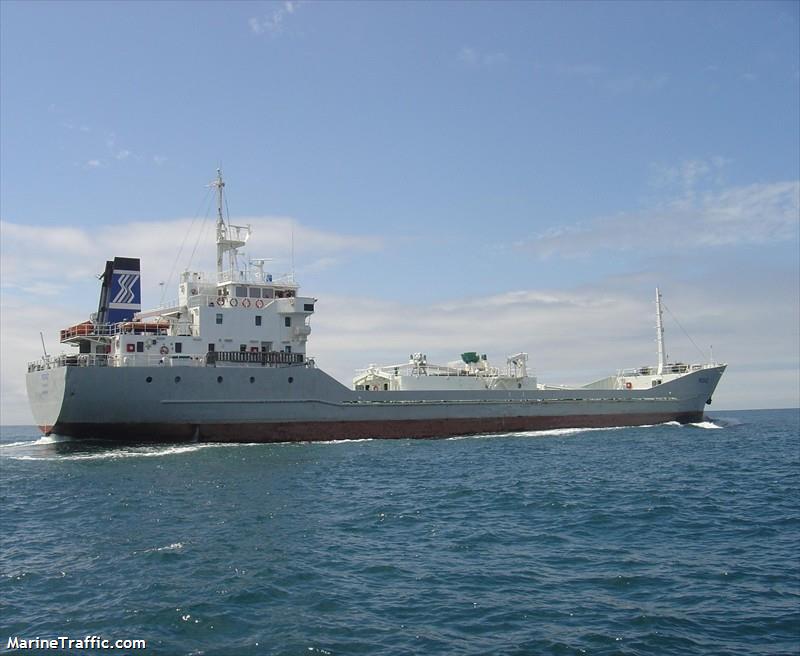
x: 567, y: 432
x: 92, y: 451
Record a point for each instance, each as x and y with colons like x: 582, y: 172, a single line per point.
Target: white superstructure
x: 242, y: 309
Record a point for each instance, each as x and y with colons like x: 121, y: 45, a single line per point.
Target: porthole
x: 219, y: 379
x: 149, y: 379
x: 177, y: 379
x: 252, y: 379
x: 291, y: 380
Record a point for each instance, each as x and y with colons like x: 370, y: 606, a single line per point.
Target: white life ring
x: 246, y: 303
x: 163, y: 350
x: 220, y: 301
x: 259, y: 304
x: 233, y: 302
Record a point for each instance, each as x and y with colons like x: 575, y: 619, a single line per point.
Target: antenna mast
x: 222, y: 232
x: 229, y: 238
x: 659, y: 332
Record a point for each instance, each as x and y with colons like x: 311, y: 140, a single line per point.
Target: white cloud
x: 274, y: 23
x: 752, y: 214
x: 615, y: 82
x: 94, y: 164
x: 687, y: 175
x: 472, y: 57
x: 37, y: 255
x: 159, y: 160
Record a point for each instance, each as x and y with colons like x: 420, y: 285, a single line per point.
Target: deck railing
x: 211, y: 359
x: 677, y: 368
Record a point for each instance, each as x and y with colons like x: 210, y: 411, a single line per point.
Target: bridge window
x: 241, y: 292
x: 255, y: 292
x: 219, y: 318
x: 308, y: 307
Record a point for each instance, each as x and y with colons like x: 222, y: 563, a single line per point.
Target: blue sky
x: 457, y: 174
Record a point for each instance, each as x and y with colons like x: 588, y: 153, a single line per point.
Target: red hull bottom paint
x: 46, y: 430
x: 302, y: 431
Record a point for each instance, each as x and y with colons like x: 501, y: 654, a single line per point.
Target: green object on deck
x: 470, y: 357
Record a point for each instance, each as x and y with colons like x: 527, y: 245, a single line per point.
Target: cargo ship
x: 226, y: 362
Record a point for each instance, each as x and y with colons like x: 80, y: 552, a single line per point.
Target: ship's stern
x: 46, y: 388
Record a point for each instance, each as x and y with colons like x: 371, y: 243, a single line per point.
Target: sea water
x: 664, y: 539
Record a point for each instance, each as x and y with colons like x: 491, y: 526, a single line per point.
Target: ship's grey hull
x: 278, y: 404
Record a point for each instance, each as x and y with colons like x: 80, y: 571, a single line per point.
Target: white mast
x: 659, y: 332
x: 222, y: 232
x: 229, y: 237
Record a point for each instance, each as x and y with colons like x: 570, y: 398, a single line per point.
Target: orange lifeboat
x: 78, y: 330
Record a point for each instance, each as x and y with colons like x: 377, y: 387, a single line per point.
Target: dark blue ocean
x: 658, y: 540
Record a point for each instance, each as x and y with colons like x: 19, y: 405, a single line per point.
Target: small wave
x: 551, y: 432
x: 360, y: 439
x: 725, y: 422
x: 44, y: 439
x: 175, y: 546
x: 133, y: 452
x: 706, y: 424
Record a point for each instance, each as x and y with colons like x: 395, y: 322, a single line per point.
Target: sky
x: 494, y: 177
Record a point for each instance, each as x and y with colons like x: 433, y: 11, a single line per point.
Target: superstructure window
x: 211, y: 348
x: 219, y: 318
x: 308, y: 307
x: 241, y: 292
x: 255, y: 292
x: 287, y: 321
x: 140, y: 347
x: 178, y: 347
x: 242, y: 348
x: 258, y: 320
x: 288, y: 349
